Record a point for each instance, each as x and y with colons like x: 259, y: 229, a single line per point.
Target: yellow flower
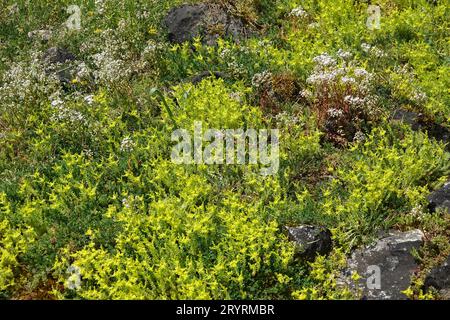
x: 355, y: 276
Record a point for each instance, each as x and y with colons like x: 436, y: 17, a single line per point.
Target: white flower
x: 321, y: 77
x: 324, y: 60
x: 307, y: 94
x: 89, y: 99
x: 143, y: 15
x: 354, y: 101
x: 366, y: 47
x: 362, y: 73
x: 62, y: 113
x: 126, y: 203
x: 100, y: 6
x: 43, y: 35
x: 348, y: 80
x: 127, y: 145
x: 110, y: 69
x: 313, y: 25
x: 378, y: 53
x: 344, y: 55
x: 286, y: 119
x: 88, y: 153
x: 261, y: 79
x: 57, y: 102
x: 150, y: 48
x: 82, y: 71
x: 335, y: 113
x: 420, y: 97
x: 236, y: 96
x: 417, y: 211
x: 224, y: 53
x: 298, y: 12
x: 359, y: 137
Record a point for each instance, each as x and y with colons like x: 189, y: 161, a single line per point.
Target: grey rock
x: 385, y: 267
x: 58, y: 55
x: 58, y: 61
x: 440, y: 198
x: 208, y: 21
x: 439, y: 278
x: 206, y: 74
x: 310, y: 240
x: 409, y: 117
x: 418, y: 122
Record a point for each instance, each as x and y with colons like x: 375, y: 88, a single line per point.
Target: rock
x: 440, y: 198
x: 408, y: 117
x: 439, y: 278
x: 206, y: 74
x: 311, y: 241
x: 385, y: 267
x: 439, y: 133
x: 418, y: 122
x: 58, y: 55
x: 58, y: 61
x: 208, y: 21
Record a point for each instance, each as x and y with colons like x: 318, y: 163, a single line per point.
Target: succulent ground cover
x: 93, y: 207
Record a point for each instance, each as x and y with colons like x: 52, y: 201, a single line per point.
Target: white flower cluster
x: 126, y: 203
x: 354, y: 101
x: 111, y: 55
x: 409, y: 79
x: 359, y: 137
x: 417, y: 211
x: 235, y: 67
x: 150, y: 49
x: 344, y: 55
x: 366, y: 47
x: 142, y: 14
x: 339, y: 85
x: 335, y: 113
x: 348, y: 80
x: 373, y: 50
x: 225, y: 53
x: 127, y: 145
x: 327, y: 71
x: 236, y: 96
x: 62, y: 113
x: 42, y: 35
x: 88, y: 153
x: 25, y: 80
x: 82, y: 71
x: 307, y: 94
x: 261, y: 79
x: 298, y: 12
x: 100, y: 6
x: 109, y: 69
x: 419, y: 97
x: 286, y: 119
x: 89, y: 99
x: 324, y: 61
